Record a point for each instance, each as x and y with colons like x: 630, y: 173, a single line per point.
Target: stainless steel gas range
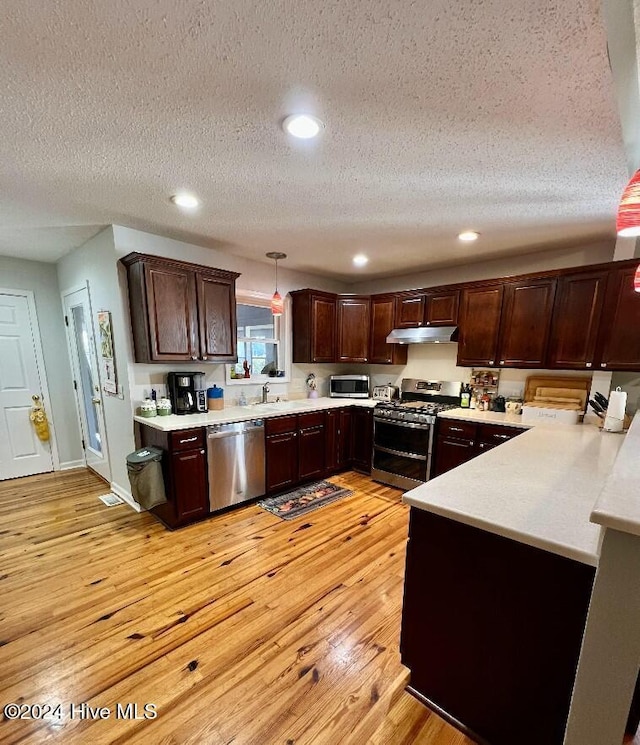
x: 403, y: 431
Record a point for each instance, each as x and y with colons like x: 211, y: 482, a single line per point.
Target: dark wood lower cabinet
x: 184, y: 466
x: 458, y: 442
x: 312, y: 446
x: 491, y: 630
x: 281, y: 453
x: 362, y: 438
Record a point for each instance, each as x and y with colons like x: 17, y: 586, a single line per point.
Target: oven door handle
x: 400, y: 453
x: 395, y: 423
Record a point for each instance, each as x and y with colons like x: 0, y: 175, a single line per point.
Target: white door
x: 21, y: 452
x: 84, y: 364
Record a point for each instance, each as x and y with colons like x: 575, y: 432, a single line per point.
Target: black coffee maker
x: 186, y: 392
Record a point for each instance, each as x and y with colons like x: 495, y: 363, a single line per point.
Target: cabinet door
x: 362, y: 438
x: 332, y: 438
x: 619, y: 339
x: 442, y: 308
x: 171, y: 304
x: 452, y: 453
x: 345, y: 450
x: 410, y: 311
x: 189, y: 477
x: 479, y: 326
x: 282, y: 461
x: 217, y: 319
x: 323, y: 326
x: 382, y: 320
x: 526, y: 319
x: 312, y: 448
x: 353, y: 329
x: 576, y: 319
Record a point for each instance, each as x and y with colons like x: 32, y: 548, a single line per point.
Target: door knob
x: 95, y: 401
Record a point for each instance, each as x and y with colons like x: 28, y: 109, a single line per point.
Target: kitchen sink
x: 282, y: 405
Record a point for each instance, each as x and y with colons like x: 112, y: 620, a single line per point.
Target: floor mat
x: 304, y: 499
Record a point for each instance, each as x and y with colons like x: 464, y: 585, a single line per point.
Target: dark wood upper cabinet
x: 576, y: 319
x: 180, y: 311
x: 619, y: 338
x: 217, y: 316
x: 382, y: 320
x: 410, y: 310
x: 442, y: 308
x: 314, y: 326
x: 526, y: 320
x: 480, y: 314
x: 353, y: 328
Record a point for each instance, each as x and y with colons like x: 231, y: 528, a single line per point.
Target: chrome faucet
x: 265, y: 390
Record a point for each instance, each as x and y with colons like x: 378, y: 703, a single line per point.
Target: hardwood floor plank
x: 243, y: 628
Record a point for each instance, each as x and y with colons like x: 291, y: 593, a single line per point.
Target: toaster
x: 385, y: 392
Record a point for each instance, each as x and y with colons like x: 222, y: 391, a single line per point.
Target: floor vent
x: 111, y: 500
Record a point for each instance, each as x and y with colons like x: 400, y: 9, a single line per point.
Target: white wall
x: 42, y: 280
x: 560, y: 258
x: 95, y: 263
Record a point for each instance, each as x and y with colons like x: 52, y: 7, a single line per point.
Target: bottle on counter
x: 215, y: 398
x: 242, y: 401
x: 465, y: 397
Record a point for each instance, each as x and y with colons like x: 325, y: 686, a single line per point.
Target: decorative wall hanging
x: 109, y: 374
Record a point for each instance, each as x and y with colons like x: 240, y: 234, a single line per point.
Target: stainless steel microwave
x: 349, y: 386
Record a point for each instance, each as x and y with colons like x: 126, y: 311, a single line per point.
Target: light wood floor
x: 241, y: 629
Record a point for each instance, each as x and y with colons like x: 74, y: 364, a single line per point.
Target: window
x: 261, y: 341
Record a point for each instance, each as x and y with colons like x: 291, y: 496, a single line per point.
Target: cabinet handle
x: 295, y: 434
x: 202, y: 452
x: 194, y: 356
x: 419, y: 323
x: 588, y: 364
x: 491, y: 362
x: 189, y: 439
x: 428, y: 323
x: 456, y: 429
x: 501, y: 362
x: 204, y: 357
x: 604, y: 364
x: 502, y: 437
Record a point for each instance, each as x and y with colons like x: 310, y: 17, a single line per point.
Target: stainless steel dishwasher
x: 236, y: 462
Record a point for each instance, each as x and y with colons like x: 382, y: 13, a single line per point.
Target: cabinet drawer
x: 187, y: 439
x: 457, y: 429
x: 496, y: 433
x: 279, y: 424
x: 312, y: 419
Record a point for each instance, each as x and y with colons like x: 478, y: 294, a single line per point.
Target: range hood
x: 424, y: 335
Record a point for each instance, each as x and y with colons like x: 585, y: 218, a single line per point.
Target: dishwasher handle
x: 232, y: 430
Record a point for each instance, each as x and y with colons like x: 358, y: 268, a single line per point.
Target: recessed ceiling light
x: 303, y: 126
x: 360, y: 260
x: 468, y: 235
x: 185, y: 201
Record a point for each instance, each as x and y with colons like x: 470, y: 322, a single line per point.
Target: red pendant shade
x: 628, y: 222
x: 277, y: 304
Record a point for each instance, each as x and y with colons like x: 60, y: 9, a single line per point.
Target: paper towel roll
x: 614, y: 420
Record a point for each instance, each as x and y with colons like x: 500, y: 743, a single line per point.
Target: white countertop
x: 618, y: 505
x: 175, y: 422
x: 487, y: 417
x: 538, y: 488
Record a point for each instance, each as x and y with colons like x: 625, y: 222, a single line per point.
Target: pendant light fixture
x: 628, y: 220
x: 277, y: 303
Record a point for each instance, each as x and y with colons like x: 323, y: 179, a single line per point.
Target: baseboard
x: 126, y: 495
x: 69, y: 464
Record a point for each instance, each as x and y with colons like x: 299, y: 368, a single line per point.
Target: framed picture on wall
x: 109, y: 375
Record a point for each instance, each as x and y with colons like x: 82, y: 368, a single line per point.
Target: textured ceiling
x: 440, y: 116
